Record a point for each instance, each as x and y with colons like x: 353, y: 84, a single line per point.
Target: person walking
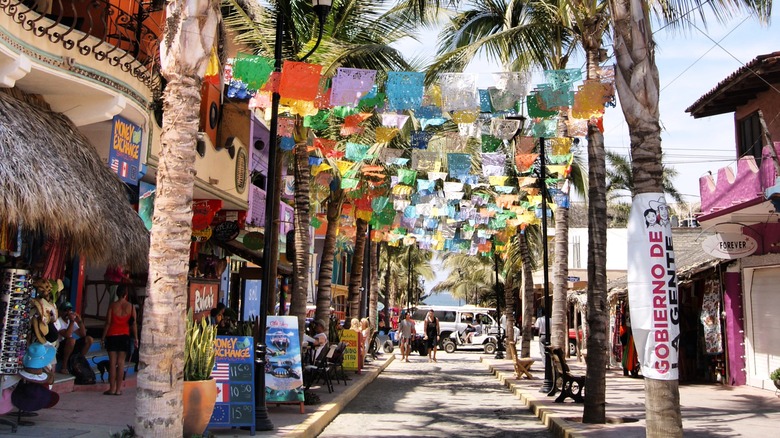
x: 541, y: 326
x: 120, y: 324
x: 431, y: 335
x: 406, y: 331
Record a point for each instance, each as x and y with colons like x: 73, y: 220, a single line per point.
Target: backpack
x: 80, y: 369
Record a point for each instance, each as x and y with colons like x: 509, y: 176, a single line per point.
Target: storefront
x: 61, y: 206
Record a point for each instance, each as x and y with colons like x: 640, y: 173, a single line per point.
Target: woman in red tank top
x: 120, y: 325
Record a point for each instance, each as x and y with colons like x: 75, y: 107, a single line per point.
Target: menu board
x: 234, y: 372
x: 351, y: 352
x: 283, y: 370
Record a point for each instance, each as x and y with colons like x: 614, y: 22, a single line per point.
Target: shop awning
x: 53, y: 180
x: 236, y: 247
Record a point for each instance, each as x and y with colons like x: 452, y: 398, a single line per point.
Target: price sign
x: 234, y: 372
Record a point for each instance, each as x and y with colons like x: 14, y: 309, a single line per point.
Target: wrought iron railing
x: 123, y: 33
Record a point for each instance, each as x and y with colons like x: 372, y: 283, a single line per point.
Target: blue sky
x: 689, y: 65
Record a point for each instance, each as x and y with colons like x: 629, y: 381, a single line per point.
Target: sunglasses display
x: 15, y: 295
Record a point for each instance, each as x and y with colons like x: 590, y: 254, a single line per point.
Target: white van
x: 454, y: 319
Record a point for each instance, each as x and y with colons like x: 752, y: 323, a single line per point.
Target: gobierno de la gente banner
x: 652, y: 287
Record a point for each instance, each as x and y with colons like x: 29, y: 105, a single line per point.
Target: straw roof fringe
x: 52, y: 180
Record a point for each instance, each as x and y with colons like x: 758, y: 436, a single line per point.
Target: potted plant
x: 200, y: 390
x: 775, y: 377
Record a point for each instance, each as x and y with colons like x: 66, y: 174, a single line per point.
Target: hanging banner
x: 124, y: 154
x: 652, y: 287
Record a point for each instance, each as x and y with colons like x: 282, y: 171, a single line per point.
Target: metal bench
x: 569, y: 385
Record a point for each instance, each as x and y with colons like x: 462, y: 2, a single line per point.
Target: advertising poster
x: 234, y: 372
x: 283, y: 369
x: 124, y: 155
x: 652, y: 287
x: 351, y: 352
x: 251, y: 299
x: 146, y: 193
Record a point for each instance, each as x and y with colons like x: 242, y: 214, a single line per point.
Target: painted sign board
x: 251, y: 299
x: 234, y: 371
x: 124, y: 154
x: 729, y: 245
x: 351, y: 352
x: 202, y: 297
x: 283, y: 369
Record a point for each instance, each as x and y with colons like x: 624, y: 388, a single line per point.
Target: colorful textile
x: 252, y: 70
x: 300, y: 80
x: 458, y: 91
x: 404, y: 90
x: 458, y: 164
x: 349, y: 85
x: 505, y: 129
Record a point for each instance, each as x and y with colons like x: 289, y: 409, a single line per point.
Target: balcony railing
x: 123, y: 33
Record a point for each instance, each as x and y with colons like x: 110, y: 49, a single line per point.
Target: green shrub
x: 775, y: 375
x: 199, y: 352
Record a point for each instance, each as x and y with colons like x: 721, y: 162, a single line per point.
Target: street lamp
x: 500, y: 346
x: 547, y: 386
x: 262, y: 422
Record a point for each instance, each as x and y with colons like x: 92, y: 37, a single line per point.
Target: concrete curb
x: 316, y: 423
x: 557, y: 424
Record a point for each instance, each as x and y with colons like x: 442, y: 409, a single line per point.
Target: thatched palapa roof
x: 53, y: 180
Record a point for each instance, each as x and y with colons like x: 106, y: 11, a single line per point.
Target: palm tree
x: 620, y: 184
x: 356, y: 271
x: 189, y: 36
x: 325, y: 275
x: 638, y: 89
x: 302, y: 235
x: 470, y: 277
x: 620, y: 179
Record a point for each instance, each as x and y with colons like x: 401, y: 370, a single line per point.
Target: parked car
x: 573, y: 341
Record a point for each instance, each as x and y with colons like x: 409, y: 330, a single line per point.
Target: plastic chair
x: 337, y: 363
x: 321, y: 368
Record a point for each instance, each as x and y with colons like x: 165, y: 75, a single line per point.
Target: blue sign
x: 234, y: 371
x: 251, y: 299
x: 124, y: 155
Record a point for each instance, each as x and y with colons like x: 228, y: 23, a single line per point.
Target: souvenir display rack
x: 15, y: 294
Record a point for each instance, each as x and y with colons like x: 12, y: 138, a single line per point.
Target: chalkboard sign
x: 234, y: 372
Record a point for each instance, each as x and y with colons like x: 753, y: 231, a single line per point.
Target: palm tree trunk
x: 374, y: 295
x: 528, y: 295
x: 191, y: 26
x: 356, y: 272
x: 509, y: 308
x: 638, y: 88
x: 325, y: 276
x: 598, y: 313
x: 558, y: 338
x: 302, y: 238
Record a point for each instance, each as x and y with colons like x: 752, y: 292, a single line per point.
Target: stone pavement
x: 708, y: 410
x: 87, y: 413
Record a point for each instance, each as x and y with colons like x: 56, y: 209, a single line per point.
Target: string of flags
x: 465, y: 190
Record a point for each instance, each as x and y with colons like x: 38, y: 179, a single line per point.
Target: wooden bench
x: 522, y: 364
x: 569, y: 385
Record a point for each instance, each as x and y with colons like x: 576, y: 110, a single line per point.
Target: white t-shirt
x: 322, y: 338
x: 541, y: 326
x: 61, y: 324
